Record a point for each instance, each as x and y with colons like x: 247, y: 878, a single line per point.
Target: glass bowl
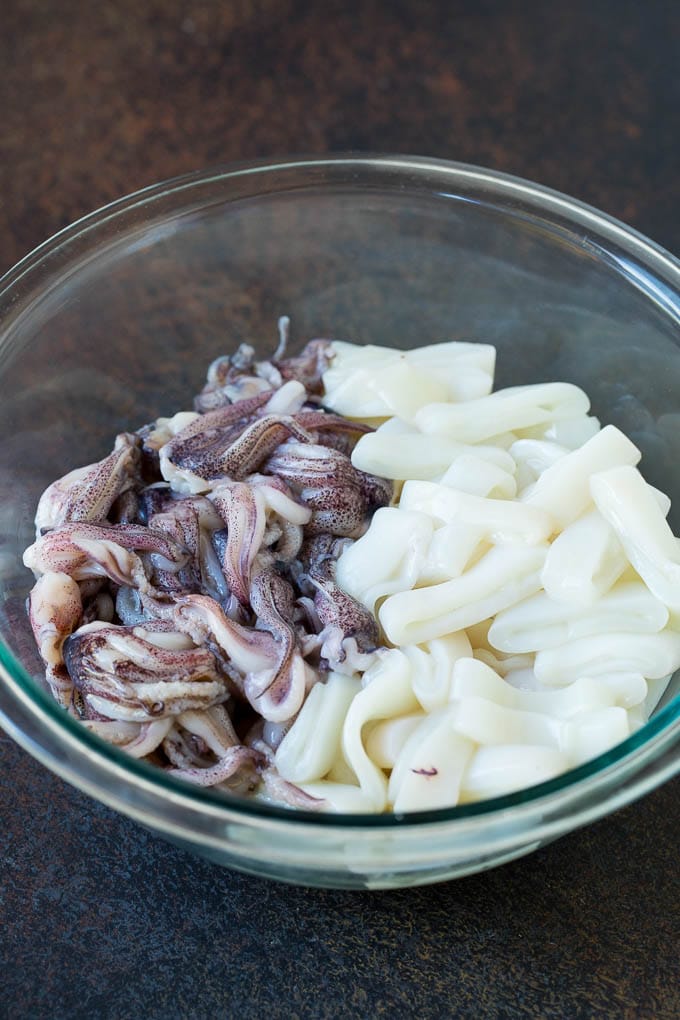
x: 114, y: 321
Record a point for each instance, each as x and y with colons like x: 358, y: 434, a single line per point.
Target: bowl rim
x: 21, y: 697
x: 520, y: 187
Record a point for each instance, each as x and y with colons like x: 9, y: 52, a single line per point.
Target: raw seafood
x: 186, y: 601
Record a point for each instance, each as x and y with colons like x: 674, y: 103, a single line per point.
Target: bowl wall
x: 115, y: 321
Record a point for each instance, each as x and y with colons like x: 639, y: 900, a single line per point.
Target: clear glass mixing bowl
x: 113, y: 322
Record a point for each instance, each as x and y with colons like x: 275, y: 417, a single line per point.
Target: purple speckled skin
x: 98, y: 918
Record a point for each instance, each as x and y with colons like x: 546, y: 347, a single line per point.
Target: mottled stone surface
x: 101, y: 99
x: 101, y: 919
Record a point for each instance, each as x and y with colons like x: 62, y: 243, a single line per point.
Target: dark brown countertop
x: 101, y: 919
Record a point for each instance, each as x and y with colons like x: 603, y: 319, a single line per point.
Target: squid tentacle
x: 186, y: 582
x: 88, y: 493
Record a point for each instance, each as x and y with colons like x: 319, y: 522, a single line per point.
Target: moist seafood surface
x: 358, y: 580
x: 186, y: 600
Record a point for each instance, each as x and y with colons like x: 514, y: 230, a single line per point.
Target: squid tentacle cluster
x: 186, y: 601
